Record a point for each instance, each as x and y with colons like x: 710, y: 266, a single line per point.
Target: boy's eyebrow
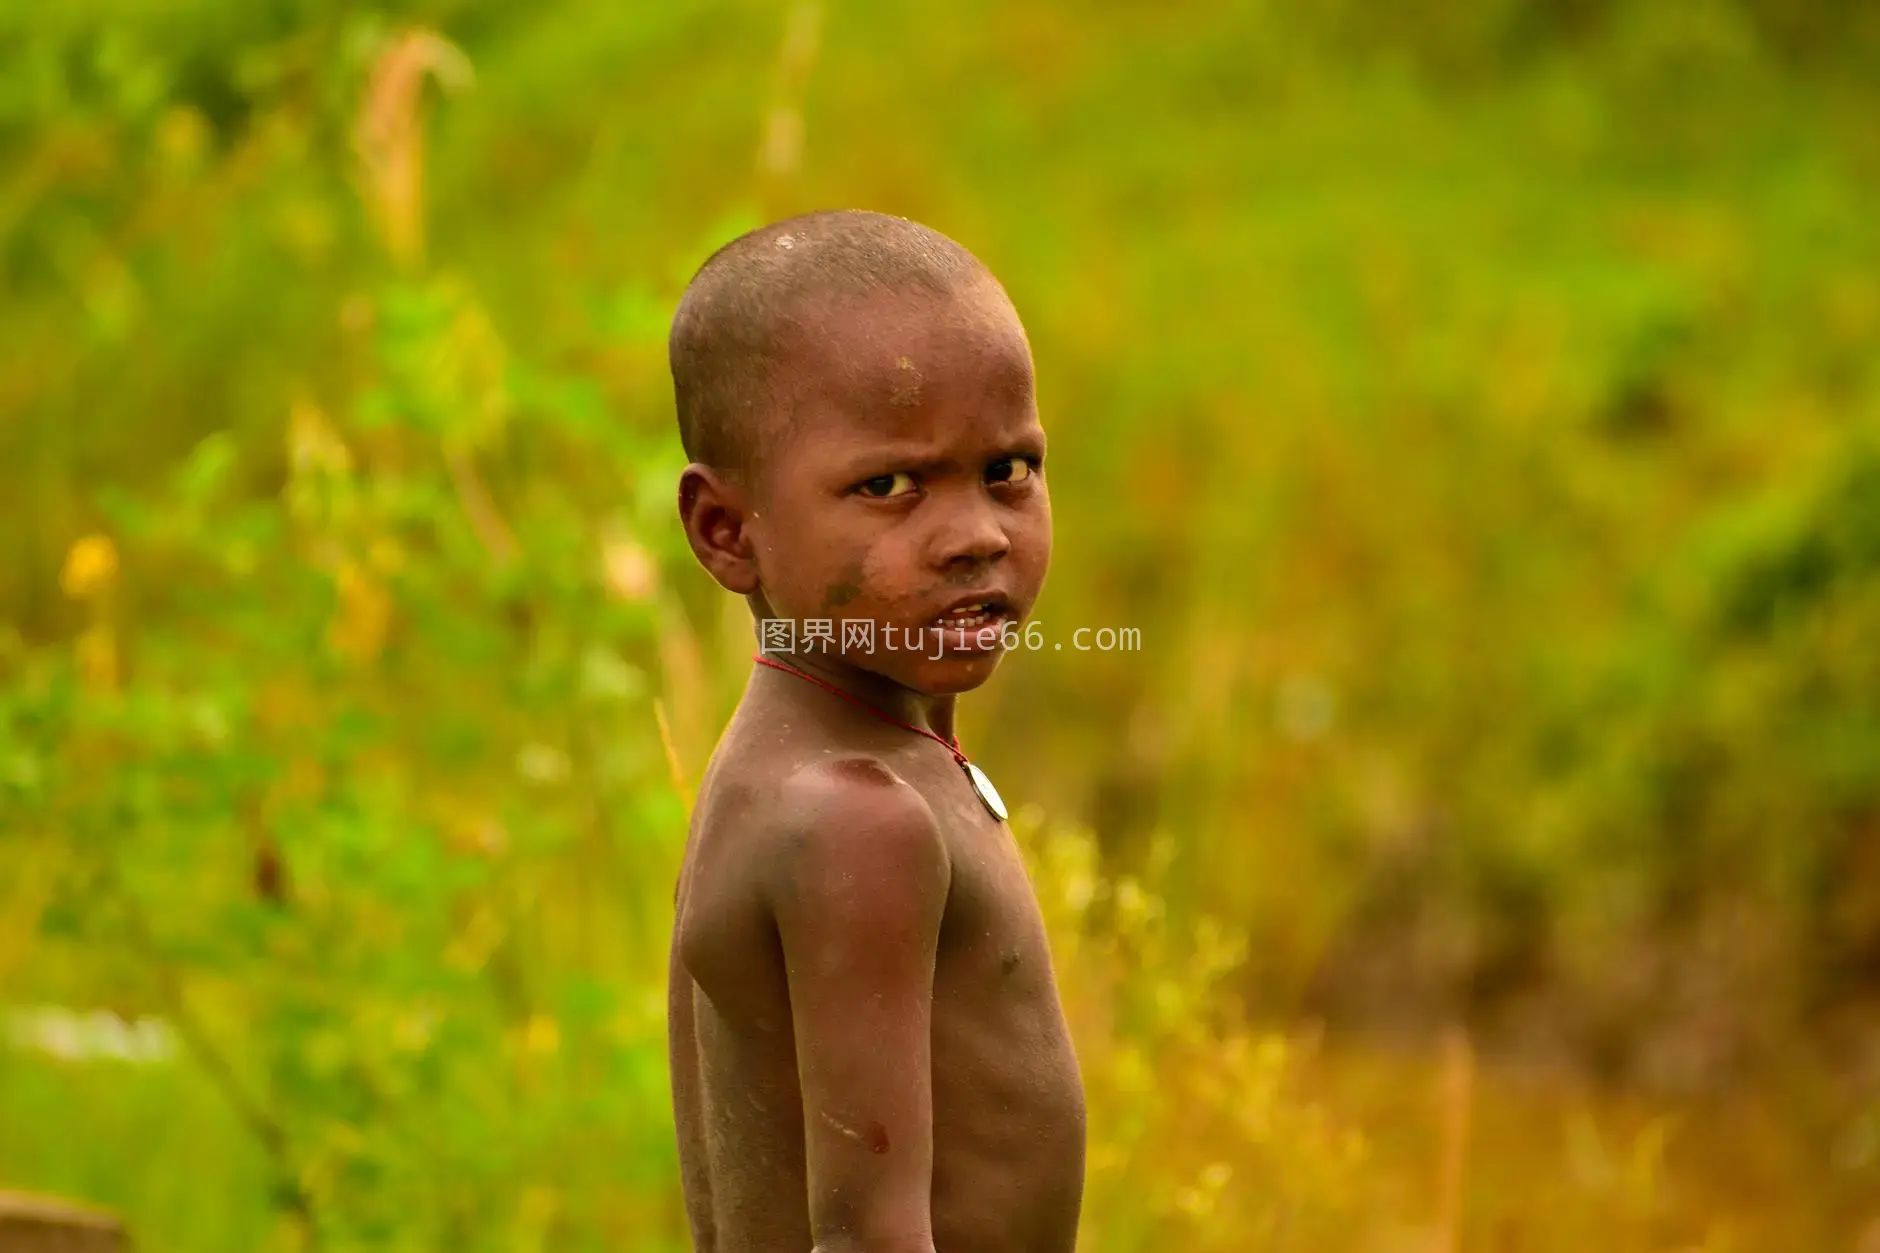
x: 914, y: 458
x: 885, y: 459
x: 929, y: 466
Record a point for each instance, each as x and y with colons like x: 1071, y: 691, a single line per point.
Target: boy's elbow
x: 916, y: 1235
x: 845, y: 1243
x: 871, y: 1210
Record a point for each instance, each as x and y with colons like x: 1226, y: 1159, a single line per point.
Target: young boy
x: 868, y: 1051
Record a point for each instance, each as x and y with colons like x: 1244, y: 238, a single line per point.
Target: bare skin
x: 868, y: 1050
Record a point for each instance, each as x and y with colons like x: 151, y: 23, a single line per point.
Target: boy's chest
x: 992, y: 923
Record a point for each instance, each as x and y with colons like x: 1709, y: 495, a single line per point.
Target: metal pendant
x: 988, y: 794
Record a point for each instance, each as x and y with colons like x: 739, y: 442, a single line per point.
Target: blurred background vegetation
x: 1474, y: 404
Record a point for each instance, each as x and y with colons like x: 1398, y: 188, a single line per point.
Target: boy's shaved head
x: 744, y: 312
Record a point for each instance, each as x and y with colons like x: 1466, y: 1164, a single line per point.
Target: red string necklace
x: 982, y: 786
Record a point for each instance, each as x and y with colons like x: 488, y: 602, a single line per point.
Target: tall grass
x: 1474, y: 412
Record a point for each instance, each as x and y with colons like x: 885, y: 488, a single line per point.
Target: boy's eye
x: 883, y: 486
x: 1010, y: 470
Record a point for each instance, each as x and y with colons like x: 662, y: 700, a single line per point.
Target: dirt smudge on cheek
x: 845, y: 589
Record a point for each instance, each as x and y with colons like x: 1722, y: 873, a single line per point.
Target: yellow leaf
x: 359, y: 625
x: 90, y: 567
x: 543, y: 1035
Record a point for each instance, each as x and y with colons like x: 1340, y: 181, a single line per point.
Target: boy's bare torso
x: 1007, y: 1101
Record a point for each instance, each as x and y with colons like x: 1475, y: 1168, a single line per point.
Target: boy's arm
x: 858, y: 893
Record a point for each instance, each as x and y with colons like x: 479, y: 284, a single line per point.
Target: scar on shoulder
x: 873, y: 1136
x: 859, y: 769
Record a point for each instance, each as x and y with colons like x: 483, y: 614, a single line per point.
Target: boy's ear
x: 713, y: 511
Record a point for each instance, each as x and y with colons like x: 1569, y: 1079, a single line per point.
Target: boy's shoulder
x: 843, y: 817
x: 837, y: 799
x: 850, y: 786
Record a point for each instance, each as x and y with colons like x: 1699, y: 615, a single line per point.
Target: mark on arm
x: 873, y: 1136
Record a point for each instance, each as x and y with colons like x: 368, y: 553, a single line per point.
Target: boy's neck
x: 884, y: 696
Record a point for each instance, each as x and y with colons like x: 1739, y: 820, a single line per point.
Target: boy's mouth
x: 973, y: 625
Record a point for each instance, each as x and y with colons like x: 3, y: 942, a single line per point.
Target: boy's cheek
x: 1034, y: 555
x: 842, y: 591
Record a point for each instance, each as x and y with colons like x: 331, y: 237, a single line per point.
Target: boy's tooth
x: 967, y: 617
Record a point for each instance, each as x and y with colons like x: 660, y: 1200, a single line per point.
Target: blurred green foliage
x: 1474, y: 406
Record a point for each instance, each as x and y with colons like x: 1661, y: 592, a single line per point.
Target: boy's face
x: 905, y: 487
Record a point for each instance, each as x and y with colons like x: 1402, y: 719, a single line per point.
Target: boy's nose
x: 971, y: 535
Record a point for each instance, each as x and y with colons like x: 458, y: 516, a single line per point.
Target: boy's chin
x: 949, y: 674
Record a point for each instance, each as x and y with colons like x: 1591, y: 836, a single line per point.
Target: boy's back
x: 868, y: 1052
